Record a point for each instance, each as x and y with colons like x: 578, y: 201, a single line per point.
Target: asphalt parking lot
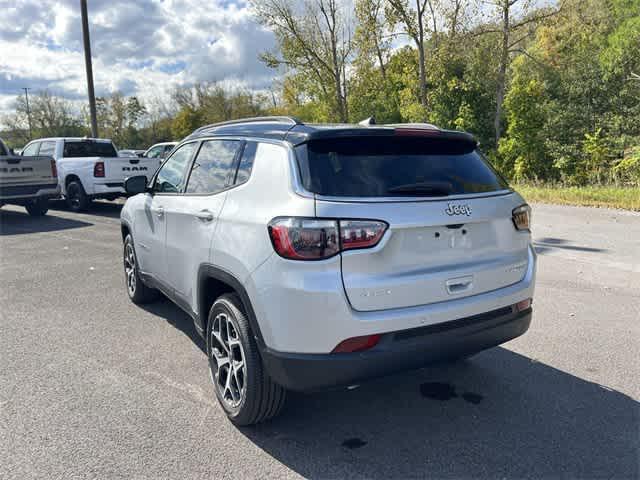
x: 92, y: 386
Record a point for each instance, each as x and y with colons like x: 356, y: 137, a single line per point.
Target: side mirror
x: 12, y: 151
x: 135, y: 185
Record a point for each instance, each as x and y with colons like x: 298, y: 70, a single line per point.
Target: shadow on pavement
x: 101, y: 208
x: 177, y: 318
x: 546, y: 244
x: 14, y: 222
x: 499, y: 415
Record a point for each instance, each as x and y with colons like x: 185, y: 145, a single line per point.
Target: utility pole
x: 89, y: 68
x: 26, y: 96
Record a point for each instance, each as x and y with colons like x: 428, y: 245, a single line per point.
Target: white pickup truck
x: 90, y: 168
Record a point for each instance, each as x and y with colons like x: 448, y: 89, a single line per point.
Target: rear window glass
x: 395, y: 166
x: 85, y: 148
x: 47, y: 148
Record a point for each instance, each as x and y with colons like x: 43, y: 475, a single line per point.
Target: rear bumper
x: 12, y: 193
x: 397, y: 351
x: 108, y: 188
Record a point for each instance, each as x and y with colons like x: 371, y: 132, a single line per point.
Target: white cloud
x: 141, y: 47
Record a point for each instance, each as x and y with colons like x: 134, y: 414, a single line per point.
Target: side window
x: 213, y: 166
x: 246, y: 162
x: 170, y: 178
x: 155, y: 152
x: 167, y: 150
x: 47, y: 148
x: 31, y: 149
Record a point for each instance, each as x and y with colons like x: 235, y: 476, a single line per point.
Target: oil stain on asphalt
x: 353, y: 443
x: 446, y: 391
x: 472, y: 397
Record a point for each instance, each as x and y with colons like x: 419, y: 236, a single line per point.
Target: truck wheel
x: 245, y: 391
x: 77, y: 199
x: 138, y: 292
x: 38, y: 207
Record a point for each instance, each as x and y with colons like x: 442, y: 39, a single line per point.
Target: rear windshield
x: 395, y: 166
x: 87, y: 148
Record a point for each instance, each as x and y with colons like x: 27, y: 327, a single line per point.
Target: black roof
x: 294, y: 131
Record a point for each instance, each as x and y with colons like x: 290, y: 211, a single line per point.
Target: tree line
x: 552, y: 93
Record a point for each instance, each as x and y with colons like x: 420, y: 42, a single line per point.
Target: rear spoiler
x: 399, y: 130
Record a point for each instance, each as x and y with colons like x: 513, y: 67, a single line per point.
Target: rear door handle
x: 205, y: 215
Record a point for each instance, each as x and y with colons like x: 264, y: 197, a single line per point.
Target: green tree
x: 185, y: 122
x: 314, y: 45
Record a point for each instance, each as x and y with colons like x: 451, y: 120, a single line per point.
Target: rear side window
x: 31, y: 149
x: 167, y: 150
x: 246, y: 162
x: 87, y: 148
x: 155, y: 152
x: 47, y: 148
x: 212, y: 169
x: 395, y: 166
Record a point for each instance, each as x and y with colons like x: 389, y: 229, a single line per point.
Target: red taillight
x: 317, y: 239
x: 523, y: 305
x: 357, y: 344
x: 98, y: 169
x: 360, y: 233
x: 54, y: 170
x: 521, y: 217
x: 304, y: 239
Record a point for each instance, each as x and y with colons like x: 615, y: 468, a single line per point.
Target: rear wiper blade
x: 434, y: 189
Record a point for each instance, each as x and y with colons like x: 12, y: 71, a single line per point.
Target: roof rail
x: 279, y: 119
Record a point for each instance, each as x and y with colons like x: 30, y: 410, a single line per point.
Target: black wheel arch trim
x: 211, y: 271
x: 125, y: 224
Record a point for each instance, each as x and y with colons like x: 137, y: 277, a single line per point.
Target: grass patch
x: 613, y: 197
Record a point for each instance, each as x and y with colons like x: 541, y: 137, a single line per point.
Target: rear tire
x: 38, y: 207
x: 251, y: 396
x: 138, y: 292
x: 76, y: 197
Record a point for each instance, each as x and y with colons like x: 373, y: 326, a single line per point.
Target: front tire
x: 244, y: 390
x: 138, y: 292
x: 76, y: 197
x: 38, y: 207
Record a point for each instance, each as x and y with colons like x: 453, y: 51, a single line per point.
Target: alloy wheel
x: 228, y: 367
x: 130, y: 268
x: 74, y: 197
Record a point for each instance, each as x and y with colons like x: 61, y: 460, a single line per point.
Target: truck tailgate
x: 117, y: 169
x: 16, y: 170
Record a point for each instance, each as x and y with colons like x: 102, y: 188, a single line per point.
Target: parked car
x: 29, y: 180
x: 90, y: 168
x: 314, y: 256
x: 130, y: 153
x: 160, y: 150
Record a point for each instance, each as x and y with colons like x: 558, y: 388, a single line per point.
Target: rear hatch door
x: 450, y: 231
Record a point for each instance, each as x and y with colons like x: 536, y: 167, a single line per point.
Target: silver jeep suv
x: 312, y: 256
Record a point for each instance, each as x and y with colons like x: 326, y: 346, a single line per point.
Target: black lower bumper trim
x: 25, y: 190
x: 396, y: 352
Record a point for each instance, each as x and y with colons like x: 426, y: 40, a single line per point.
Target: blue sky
x: 141, y: 47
